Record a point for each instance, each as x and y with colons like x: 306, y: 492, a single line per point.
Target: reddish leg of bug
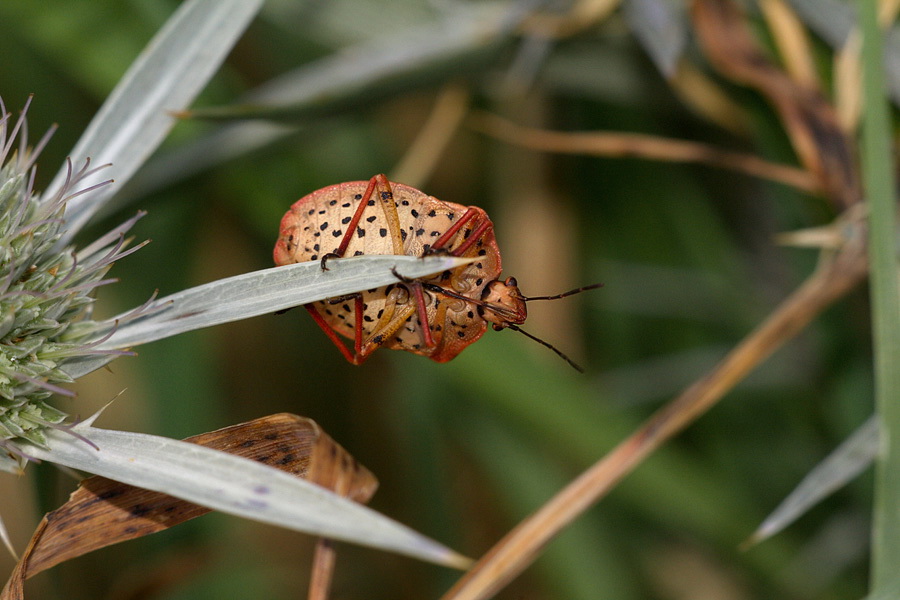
x: 354, y: 222
x: 452, y: 231
x: 357, y: 357
x: 470, y: 241
x: 448, y: 235
x: 416, y: 289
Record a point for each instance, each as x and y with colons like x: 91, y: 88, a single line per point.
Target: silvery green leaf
x: 661, y: 26
x: 382, y: 67
x: 253, y: 294
x: 833, y: 21
x: 468, y: 40
x: 233, y: 485
x: 268, y: 291
x: 846, y: 462
x: 167, y: 76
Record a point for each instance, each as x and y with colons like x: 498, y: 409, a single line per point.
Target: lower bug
x: 435, y: 317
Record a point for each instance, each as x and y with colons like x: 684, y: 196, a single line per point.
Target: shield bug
x: 435, y: 317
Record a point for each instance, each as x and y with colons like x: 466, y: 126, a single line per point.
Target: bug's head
x: 504, y: 304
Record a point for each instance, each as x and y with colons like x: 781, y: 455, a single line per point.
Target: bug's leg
x: 448, y: 235
x: 479, y: 231
x: 358, y: 331
x: 422, y: 311
x: 380, y: 187
x: 416, y: 289
x: 332, y: 335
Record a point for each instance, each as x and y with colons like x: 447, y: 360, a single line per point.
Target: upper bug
x: 382, y: 217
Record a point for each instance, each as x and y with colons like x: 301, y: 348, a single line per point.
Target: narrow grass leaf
x: 842, y: 466
x: 173, y: 68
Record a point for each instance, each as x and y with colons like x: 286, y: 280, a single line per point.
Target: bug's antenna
x: 548, y: 345
x: 564, y: 294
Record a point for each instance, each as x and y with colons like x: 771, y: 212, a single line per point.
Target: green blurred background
x: 467, y: 449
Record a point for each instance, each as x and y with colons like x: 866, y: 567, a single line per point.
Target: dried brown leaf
x: 102, y: 512
x: 810, y: 121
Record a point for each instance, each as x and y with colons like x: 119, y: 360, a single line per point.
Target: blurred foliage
x: 467, y: 449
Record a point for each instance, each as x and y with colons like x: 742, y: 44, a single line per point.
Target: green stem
x: 879, y: 186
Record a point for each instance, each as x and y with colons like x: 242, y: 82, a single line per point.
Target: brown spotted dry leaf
x: 102, y: 512
x: 809, y: 120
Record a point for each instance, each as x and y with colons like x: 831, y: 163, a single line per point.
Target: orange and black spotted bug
x: 435, y: 317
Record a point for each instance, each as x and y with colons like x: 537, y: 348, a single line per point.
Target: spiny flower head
x: 46, y: 290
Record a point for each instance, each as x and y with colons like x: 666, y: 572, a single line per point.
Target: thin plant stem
x: 879, y: 185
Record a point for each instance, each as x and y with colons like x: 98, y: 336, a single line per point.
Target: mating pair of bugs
x: 436, y: 317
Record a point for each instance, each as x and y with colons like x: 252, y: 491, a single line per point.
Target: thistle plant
x: 46, y: 291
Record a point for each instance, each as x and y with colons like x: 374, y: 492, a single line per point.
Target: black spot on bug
x: 467, y: 233
x: 482, y: 252
x: 399, y: 339
x: 435, y: 233
x: 426, y: 248
x: 479, y: 266
x: 460, y: 334
x: 380, y: 312
x: 371, y: 202
x: 360, y: 232
x: 420, y: 231
x: 346, y: 307
x: 367, y: 319
x: 316, y: 234
x: 328, y: 312
x: 332, y: 203
x: 345, y: 220
x: 342, y: 317
x: 479, y: 281
x: 337, y: 233
x: 382, y: 232
x: 403, y: 235
x: 386, y: 195
x: 311, y: 211
x: 378, y: 339
x: 323, y: 211
x: 438, y: 327
x: 432, y: 213
x: 314, y: 257
x: 357, y: 197
x: 323, y: 226
x: 358, y: 253
x: 316, y: 247
x: 414, y: 213
x: 470, y: 314
x: 345, y: 205
x: 405, y: 203
x: 371, y: 219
